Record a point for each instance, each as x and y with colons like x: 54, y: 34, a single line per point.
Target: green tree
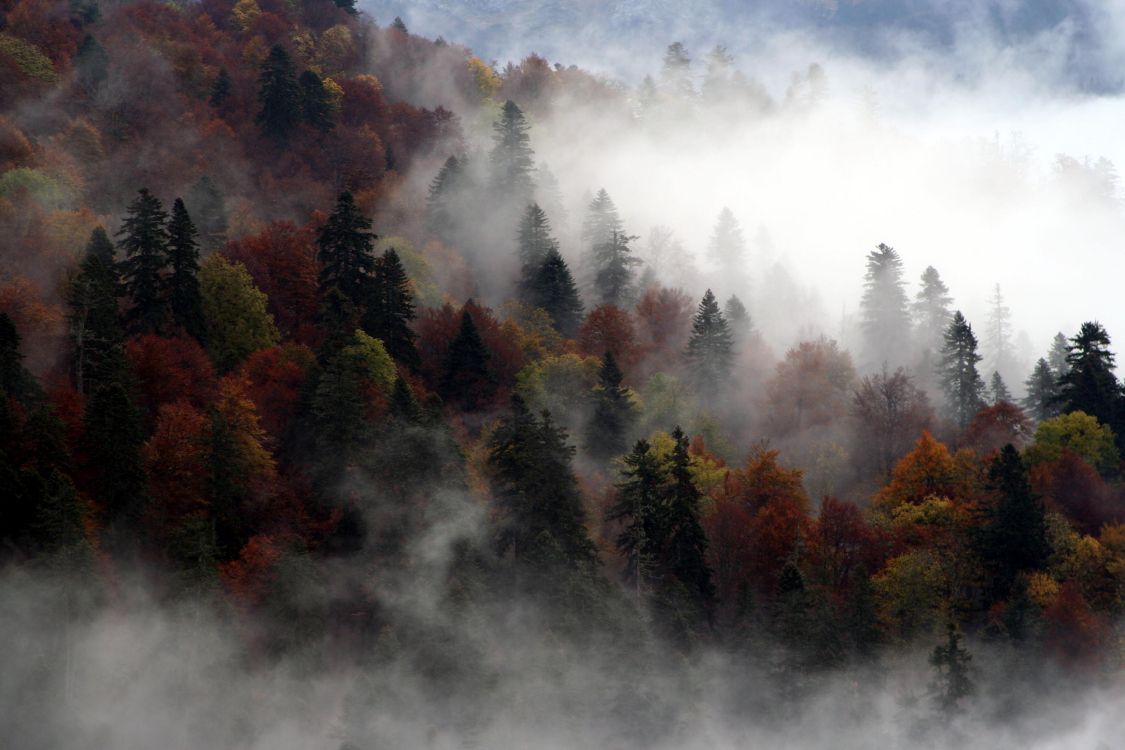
x: 390, y: 309
x: 220, y: 89
x: 237, y: 322
x: 552, y: 288
x: 346, y: 253
x: 112, y: 439
x: 316, y: 102
x: 710, y: 350
x: 93, y: 321
x: 1014, y: 537
x: 1041, y: 401
x: 931, y: 310
x: 640, y: 495
x: 1057, y: 356
x: 613, y: 415
x: 184, y: 297
x: 958, y: 374
x: 467, y: 380
x: 144, y: 241
x: 884, y: 309
x: 738, y: 318
x: 279, y: 95
x: 998, y: 389
x: 685, y: 551
x: 444, y: 202
x: 512, y: 158
x: 1079, y: 433
x: 602, y: 221
x: 614, y: 277
x: 533, y: 243
x: 1089, y: 384
x: 952, y: 682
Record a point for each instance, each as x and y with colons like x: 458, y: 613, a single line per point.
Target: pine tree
x: 998, y: 390
x: 208, y: 209
x: 1060, y: 345
x: 390, y: 309
x: 443, y: 204
x: 220, y: 89
x: 676, y: 74
x: 346, y: 253
x: 710, y: 350
x: 952, y: 681
x: 467, y: 380
x: 398, y: 24
x: 738, y: 318
x: 279, y: 95
x: 144, y: 241
x: 1042, y: 392
x: 533, y: 242
x: 1014, y: 537
x: 15, y: 381
x: 93, y: 321
x: 685, y: 555
x: 1089, y: 384
x: 316, y: 103
x: 403, y: 405
x: 184, y: 298
x: 91, y: 64
x: 960, y: 380
x: 886, y: 323
x: 552, y: 288
x: 112, y: 438
x: 512, y: 158
x: 602, y: 221
x: 999, y: 338
x: 640, y: 494
x: 931, y: 310
x: 613, y: 414
x: 84, y: 12
x: 614, y: 277
x: 728, y: 247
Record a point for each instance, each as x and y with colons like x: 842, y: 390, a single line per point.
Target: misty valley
x: 360, y: 391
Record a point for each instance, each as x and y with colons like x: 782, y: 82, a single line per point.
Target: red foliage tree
x: 663, y: 326
x: 1076, y: 489
x: 1075, y: 635
x: 273, y: 380
x: 610, y: 329
x: 170, y: 369
x: 995, y: 426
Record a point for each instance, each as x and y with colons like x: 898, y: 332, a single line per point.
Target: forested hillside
x: 331, y: 417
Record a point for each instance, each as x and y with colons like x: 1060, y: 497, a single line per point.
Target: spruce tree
x: 710, y: 350
x: 614, y: 277
x: 220, y: 89
x: 144, y: 242
x: 316, y: 103
x: 184, y: 298
x: 1060, y: 345
x: 390, y: 309
x: 685, y: 551
x: 998, y: 389
x: 885, y: 319
x: 1041, y: 401
x: 467, y: 380
x: 403, y: 406
x: 512, y: 157
x: 728, y: 247
x: 208, y: 210
x: 443, y: 204
x: 738, y: 318
x: 93, y: 321
x: 952, y: 681
x: 999, y: 338
x: 958, y: 374
x: 91, y: 64
x: 345, y: 251
x: 1089, y: 384
x: 15, y: 381
x: 602, y: 221
x: 931, y: 310
x: 533, y: 242
x: 112, y: 438
x: 1014, y: 537
x: 279, y: 95
x: 613, y: 414
x: 640, y: 495
x: 552, y: 288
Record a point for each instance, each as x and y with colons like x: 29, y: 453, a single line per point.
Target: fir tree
x: 640, y: 495
x: 533, y: 242
x: 91, y: 64
x: 15, y: 381
x: 710, y: 350
x: 398, y: 24
x: 84, y: 12
x: 208, y: 210
x: 886, y: 323
x: 931, y: 310
x: 960, y: 380
x: 686, y: 546
x: 738, y: 318
x: 112, y: 438
x: 613, y: 415
x: 403, y: 405
x: 676, y: 74
x: 552, y: 288
x: 184, y: 298
x: 1089, y: 384
x: 316, y: 103
x: 444, y: 201
x: 602, y: 221
x: 999, y: 338
x: 467, y: 380
x: 512, y: 157
x: 279, y: 95
x: 1042, y: 392
x: 1060, y: 346
x: 345, y: 251
x: 614, y: 277
x: 220, y: 89
x: 998, y: 389
x: 1014, y: 538
x: 94, y: 323
x: 144, y: 241
x: 390, y: 309
x: 727, y: 247
x: 952, y: 681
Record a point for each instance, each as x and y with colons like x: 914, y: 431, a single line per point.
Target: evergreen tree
x: 602, y: 221
x: 738, y: 318
x: 960, y: 380
x: 533, y: 242
x: 1060, y: 345
x: 220, y: 89
x: 443, y: 205
x: 614, y: 277
x: 316, y: 102
x: 552, y: 288
x: 91, y: 64
x: 84, y: 12
x: 279, y: 95
x: 676, y: 74
x: 1042, y: 392
x: 999, y: 338
x: 345, y: 251
x: 886, y: 323
x: 1014, y: 538
x: 112, y: 438
x: 613, y: 415
x: 347, y: 5
x: 467, y: 380
x: 710, y: 350
x: 1089, y: 384
x: 640, y: 495
x: 208, y: 210
x: 727, y: 247
x: 390, y: 309
x: 952, y: 681
x: 93, y: 321
x: 998, y: 390
x: 512, y: 157
x: 541, y: 522
x: 398, y: 24
x: 184, y: 297
x: 144, y: 241
x: 931, y: 310
x: 15, y: 381
x: 403, y: 405
x: 685, y: 551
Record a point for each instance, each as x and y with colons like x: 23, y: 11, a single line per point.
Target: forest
x: 344, y: 407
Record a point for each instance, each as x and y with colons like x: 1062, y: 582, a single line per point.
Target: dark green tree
x: 347, y: 5
x: 710, y: 350
x: 316, y: 102
x: 144, y: 242
x: 614, y: 274
x: 533, y: 242
x: 931, y: 310
x: 112, y: 439
x: 93, y: 321
x: 512, y: 159
x: 1089, y: 384
x: 403, y: 405
x: 552, y: 288
x: 279, y: 95
x: 738, y: 318
x: 1014, y: 537
x: 958, y: 374
x: 884, y: 309
x: 399, y: 24
x: 602, y: 221
x: 390, y: 309
x: 91, y: 64
x: 685, y: 548
x: 444, y: 209
x: 638, y: 508
x: 15, y: 381
x: 613, y: 416
x: 345, y: 251
x: 998, y: 389
x: 221, y: 88
x: 952, y: 682
x: 184, y: 298
x: 1041, y: 401
x: 208, y: 209
x: 467, y: 380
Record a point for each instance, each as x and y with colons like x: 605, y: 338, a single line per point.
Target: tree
x: 998, y: 390
x: 889, y: 412
x: 552, y: 288
x: 112, y: 438
x: 1041, y: 401
x: 91, y: 64
x: 676, y: 73
x: 738, y: 317
x: 727, y: 247
x: 640, y: 494
x: 998, y: 339
x: 208, y: 210
x: 602, y: 221
x: 1074, y: 432
x: 685, y: 550
x: 316, y: 102
x: 952, y: 682
x: 279, y: 95
x: 710, y: 350
x: 614, y: 277
x: 533, y: 243
x: 957, y: 371
x: 1089, y: 384
x: 885, y: 320
x: 931, y: 310
x: 512, y: 158
x: 613, y: 415
x: 94, y: 324
x: 346, y: 253
x: 236, y: 321
x: 467, y: 380
x: 443, y: 204
x: 390, y: 309
x: 811, y: 387
x: 220, y: 89
x: 1057, y: 356
x: 184, y: 298
x: 144, y: 241
x: 1014, y: 538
